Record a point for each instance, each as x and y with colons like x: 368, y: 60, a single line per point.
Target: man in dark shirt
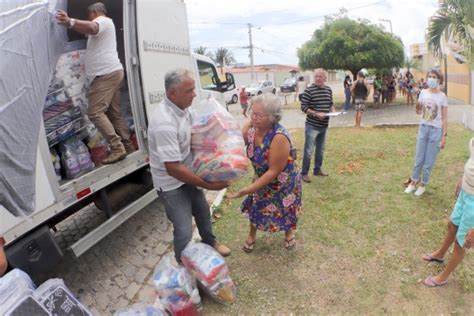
x: 316, y: 103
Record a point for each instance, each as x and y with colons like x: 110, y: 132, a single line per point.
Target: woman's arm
x: 245, y: 130
x: 278, y: 159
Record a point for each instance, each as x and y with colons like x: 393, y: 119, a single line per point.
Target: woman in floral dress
x: 274, y: 197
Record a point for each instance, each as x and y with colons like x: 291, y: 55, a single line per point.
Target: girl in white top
x: 433, y: 107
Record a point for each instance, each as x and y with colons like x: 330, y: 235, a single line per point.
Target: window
x: 207, y: 75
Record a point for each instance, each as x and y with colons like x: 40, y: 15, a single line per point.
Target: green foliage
x: 453, y: 20
x: 343, y: 43
x: 201, y: 50
x: 412, y: 63
x: 223, y: 57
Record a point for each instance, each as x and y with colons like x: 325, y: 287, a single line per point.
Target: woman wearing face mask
x: 433, y: 107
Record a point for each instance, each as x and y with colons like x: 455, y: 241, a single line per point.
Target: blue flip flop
x: 430, y: 258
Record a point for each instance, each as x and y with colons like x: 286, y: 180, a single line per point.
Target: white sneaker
x: 410, y: 188
x: 420, y: 191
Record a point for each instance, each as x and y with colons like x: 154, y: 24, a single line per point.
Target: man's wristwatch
x: 71, y: 23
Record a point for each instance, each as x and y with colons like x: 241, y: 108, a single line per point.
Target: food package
x: 176, y: 288
x: 140, y: 309
x: 75, y: 158
x: 210, y: 270
x: 217, y: 144
x: 57, y: 299
x: 62, y: 119
x: 15, y: 286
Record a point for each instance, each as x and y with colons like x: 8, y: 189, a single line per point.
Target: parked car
x: 232, y: 96
x: 289, y: 85
x: 263, y: 86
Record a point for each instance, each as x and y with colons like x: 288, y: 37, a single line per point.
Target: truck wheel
x: 274, y: 91
x: 259, y: 93
x: 235, y: 98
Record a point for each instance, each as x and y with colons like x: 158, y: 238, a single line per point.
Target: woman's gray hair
x: 176, y: 76
x: 272, y: 105
x: 97, y: 7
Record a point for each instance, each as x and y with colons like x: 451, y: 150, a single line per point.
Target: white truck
x: 152, y: 38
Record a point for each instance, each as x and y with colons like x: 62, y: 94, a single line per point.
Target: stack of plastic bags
x: 19, y: 297
x: 176, y: 288
x: 211, y: 271
x: 217, y: 144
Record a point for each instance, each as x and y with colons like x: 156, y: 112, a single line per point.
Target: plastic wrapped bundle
x: 62, y: 119
x: 217, y: 143
x: 140, y: 310
x: 176, y: 288
x: 211, y: 271
x: 75, y: 158
x: 57, y: 299
x: 15, y: 286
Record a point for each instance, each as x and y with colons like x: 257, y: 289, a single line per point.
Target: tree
x: 201, y: 50
x: 453, y: 20
x: 412, y: 63
x: 223, y: 57
x: 343, y: 43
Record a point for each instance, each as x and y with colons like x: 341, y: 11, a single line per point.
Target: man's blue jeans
x: 347, y: 104
x: 314, y: 136
x: 427, y: 149
x: 181, y: 205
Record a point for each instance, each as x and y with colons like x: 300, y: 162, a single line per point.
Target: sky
x: 279, y: 27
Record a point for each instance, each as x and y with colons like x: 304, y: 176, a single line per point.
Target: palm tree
x: 412, y: 63
x: 223, y: 57
x: 453, y: 20
x: 201, y: 50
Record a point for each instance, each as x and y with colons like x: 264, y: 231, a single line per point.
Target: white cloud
x: 279, y: 38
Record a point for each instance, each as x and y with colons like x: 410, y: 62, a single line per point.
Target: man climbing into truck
x: 105, y: 72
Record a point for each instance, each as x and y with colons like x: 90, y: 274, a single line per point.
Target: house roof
x: 264, y: 68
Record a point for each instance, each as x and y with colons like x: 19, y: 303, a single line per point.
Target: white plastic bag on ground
x: 217, y: 143
x: 210, y: 269
x: 15, y: 286
x: 176, y: 288
x: 140, y: 309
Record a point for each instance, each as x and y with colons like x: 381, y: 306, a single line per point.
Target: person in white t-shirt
x: 433, y: 107
x: 105, y: 72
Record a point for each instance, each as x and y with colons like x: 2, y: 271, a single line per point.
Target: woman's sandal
x: 290, y: 243
x: 248, y: 247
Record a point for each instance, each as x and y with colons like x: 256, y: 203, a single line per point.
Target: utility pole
x: 252, y: 74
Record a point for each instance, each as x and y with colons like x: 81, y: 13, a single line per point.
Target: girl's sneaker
x: 410, y: 188
x: 420, y: 191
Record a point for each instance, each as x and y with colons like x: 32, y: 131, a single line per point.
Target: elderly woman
x: 432, y: 133
x: 274, y: 197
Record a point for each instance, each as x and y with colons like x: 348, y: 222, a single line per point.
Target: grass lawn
x: 360, y: 238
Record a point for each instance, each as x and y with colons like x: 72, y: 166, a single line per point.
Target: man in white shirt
x: 105, y: 71
x: 169, y: 139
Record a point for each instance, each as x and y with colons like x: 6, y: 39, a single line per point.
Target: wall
x: 459, y: 80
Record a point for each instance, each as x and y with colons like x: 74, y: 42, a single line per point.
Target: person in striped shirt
x: 316, y: 103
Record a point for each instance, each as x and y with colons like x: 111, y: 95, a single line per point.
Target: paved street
x: 118, y: 271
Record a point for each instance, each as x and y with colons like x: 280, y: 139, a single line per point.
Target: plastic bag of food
x: 140, y: 309
x: 176, y: 288
x: 211, y: 271
x: 217, y: 143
